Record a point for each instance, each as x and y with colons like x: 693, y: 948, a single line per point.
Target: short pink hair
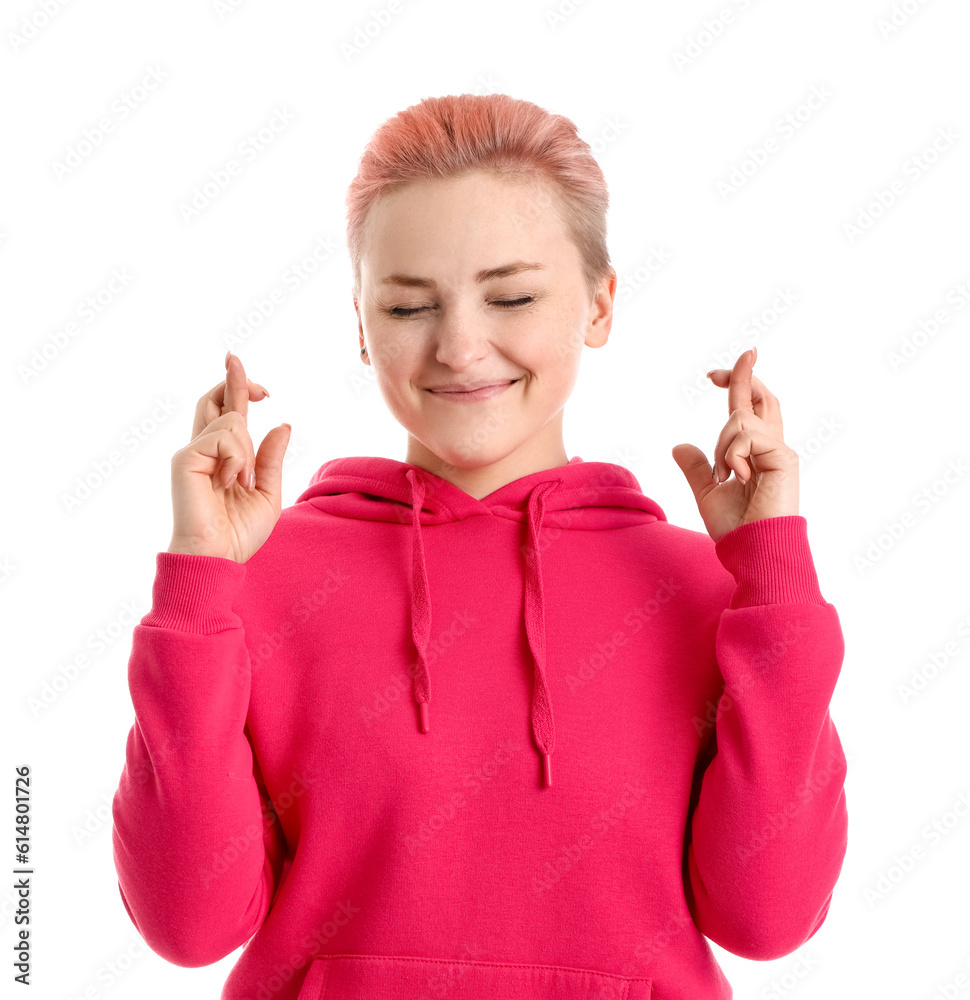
x: 447, y: 136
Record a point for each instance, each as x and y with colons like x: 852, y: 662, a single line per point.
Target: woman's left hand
x: 766, y: 469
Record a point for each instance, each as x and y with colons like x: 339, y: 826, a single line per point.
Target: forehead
x: 470, y: 220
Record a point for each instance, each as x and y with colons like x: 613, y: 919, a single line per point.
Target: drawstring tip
x: 547, y: 770
x: 424, y: 716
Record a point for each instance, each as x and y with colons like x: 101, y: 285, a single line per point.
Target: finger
x: 208, y: 408
x: 226, y: 452
x: 237, y: 387
x: 739, y: 423
x: 269, y: 462
x: 739, y: 382
x: 754, y: 450
x: 695, y: 466
x: 212, y: 404
x: 735, y: 458
x: 764, y: 404
x: 235, y: 460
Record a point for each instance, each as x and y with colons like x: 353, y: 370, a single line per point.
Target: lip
x: 485, y: 392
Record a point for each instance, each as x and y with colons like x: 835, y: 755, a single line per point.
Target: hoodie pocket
x: 395, y: 977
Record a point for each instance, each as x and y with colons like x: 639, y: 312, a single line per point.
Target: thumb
x: 269, y: 463
x: 695, y: 466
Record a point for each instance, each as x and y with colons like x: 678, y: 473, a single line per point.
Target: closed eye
x: 506, y: 303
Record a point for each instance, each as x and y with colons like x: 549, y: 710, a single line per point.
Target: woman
x: 347, y: 711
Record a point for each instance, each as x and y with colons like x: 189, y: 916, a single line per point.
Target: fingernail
x: 263, y: 387
x: 228, y: 356
x: 710, y: 373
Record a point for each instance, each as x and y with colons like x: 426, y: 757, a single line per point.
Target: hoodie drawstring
x: 543, y: 726
x: 420, y: 602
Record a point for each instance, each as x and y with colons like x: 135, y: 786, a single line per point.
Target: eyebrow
x: 514, y: 267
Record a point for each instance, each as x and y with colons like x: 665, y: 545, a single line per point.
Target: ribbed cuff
x: 771, y: 562
x: 194, y: 593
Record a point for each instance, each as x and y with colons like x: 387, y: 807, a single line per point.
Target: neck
x: 478, y: 481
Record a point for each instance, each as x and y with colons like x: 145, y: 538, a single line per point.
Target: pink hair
x: 447, y: 136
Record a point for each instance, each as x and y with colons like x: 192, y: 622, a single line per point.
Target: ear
x: 360, y: 331
x: 601, y: 312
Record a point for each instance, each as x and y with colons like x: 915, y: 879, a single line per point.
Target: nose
x: 461, y: 337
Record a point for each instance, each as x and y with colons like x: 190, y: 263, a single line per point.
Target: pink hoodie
x: 539, y: 745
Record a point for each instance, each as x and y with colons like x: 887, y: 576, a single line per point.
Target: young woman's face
x: 432, y: 318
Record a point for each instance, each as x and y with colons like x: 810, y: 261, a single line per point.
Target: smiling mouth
x: 484, y: 392
x: 491, y: 385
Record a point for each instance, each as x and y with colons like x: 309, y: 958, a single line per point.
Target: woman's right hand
x: 216, y: 513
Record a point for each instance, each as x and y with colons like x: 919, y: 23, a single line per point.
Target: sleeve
x: 768, y: 832
x: 197, y: 846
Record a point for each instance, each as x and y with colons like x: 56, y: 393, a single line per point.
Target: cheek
x: 556, y: 358
x: 393, y: 353
x: 564, y: 335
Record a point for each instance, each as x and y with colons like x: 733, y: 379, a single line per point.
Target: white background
x: 873, y: 434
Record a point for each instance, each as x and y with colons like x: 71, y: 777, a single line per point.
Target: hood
x: 587, y: 495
